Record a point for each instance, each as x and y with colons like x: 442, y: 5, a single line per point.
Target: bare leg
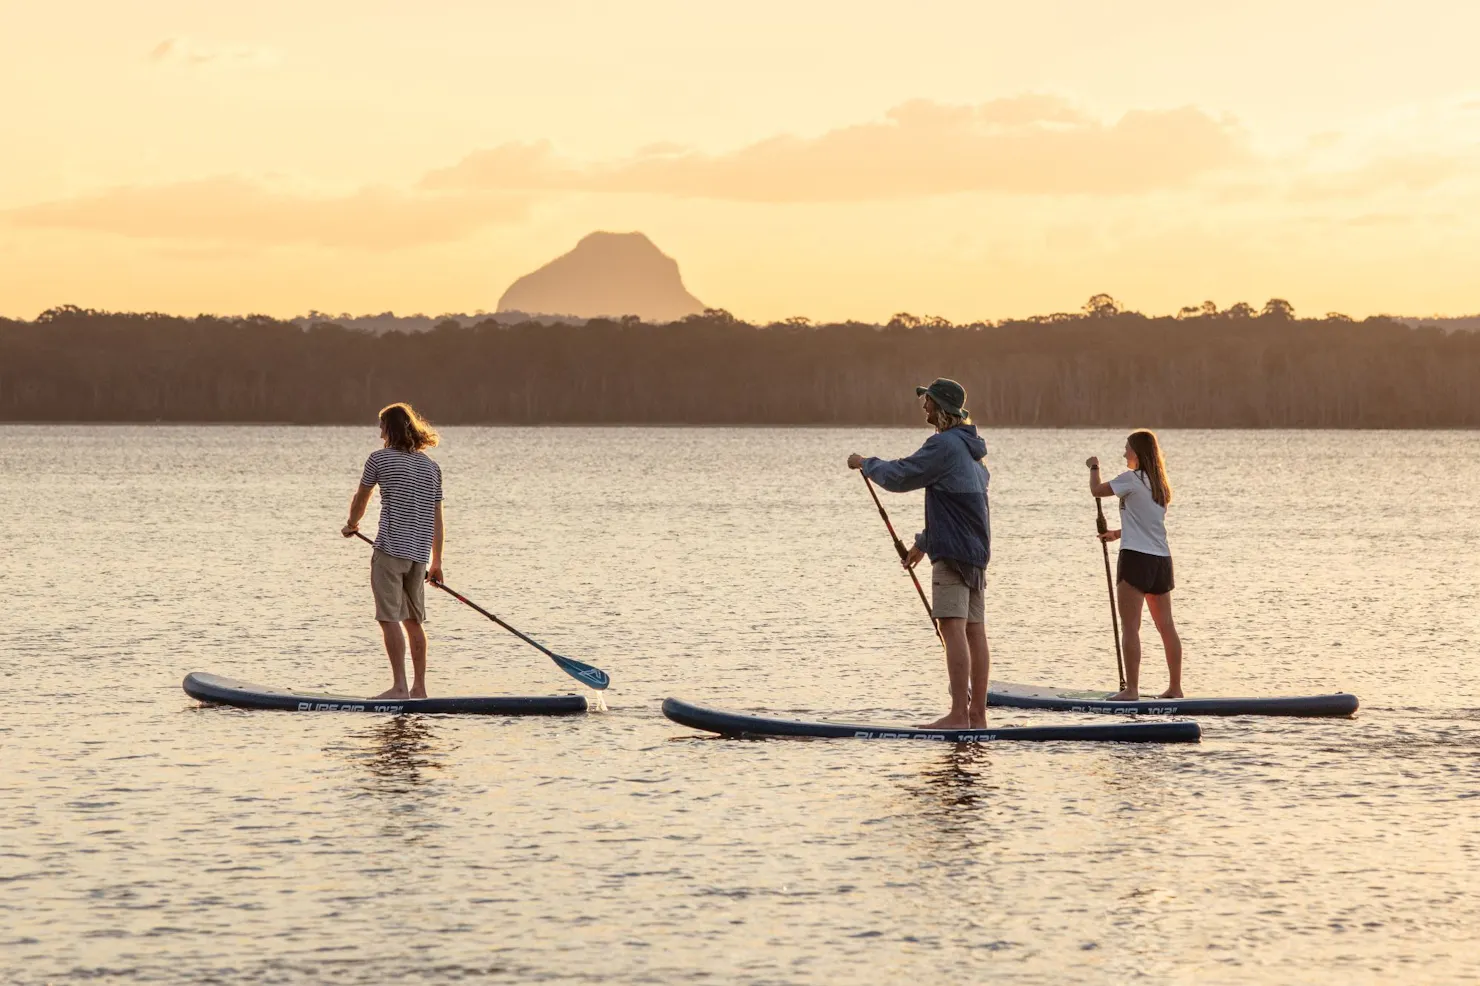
x: 418, y: 638
x: 958, y: 667
x: 1129, y: 599
x: 981, y: 670
x: 395, y: 649
x: 1161, y: 615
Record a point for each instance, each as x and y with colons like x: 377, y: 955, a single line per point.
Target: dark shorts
x: 1152, y: 574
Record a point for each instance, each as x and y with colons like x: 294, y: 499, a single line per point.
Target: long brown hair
x: 1150, y: 464
x: 405, y: 429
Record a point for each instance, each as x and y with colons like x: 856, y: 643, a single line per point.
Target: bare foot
x: 978, y: 719
x: 394, y: 693
x: 420, y: 691
x: 950, y: 721
x: 1171, y: 693
x: 1126, y: 696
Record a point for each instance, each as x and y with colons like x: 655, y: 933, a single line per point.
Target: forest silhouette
x: 1236, y: 368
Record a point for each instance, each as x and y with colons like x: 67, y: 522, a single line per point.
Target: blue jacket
x: 949, y: 466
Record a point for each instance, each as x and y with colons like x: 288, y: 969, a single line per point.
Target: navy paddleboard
x: 243, y: 695
x: 734, y: 724
x: 1077, y: 700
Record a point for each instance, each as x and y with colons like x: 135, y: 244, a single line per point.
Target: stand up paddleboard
x: 1072, y: 700
x: 242, y: 695
x: 734, y: 724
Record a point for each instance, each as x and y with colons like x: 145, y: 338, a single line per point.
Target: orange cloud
x: 1029, y: 144
x: 233, y: 210
x: 193, y: 54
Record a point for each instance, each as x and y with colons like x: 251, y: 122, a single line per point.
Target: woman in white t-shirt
x: 1144, y: 570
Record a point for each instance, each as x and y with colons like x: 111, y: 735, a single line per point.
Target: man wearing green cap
x: 957, y: 537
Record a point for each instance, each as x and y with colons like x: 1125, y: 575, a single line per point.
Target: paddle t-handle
x: 1104, y: 528
x: 592, y: 677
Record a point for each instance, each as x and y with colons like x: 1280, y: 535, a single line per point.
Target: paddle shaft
x: 1102, y: 527
x: 571, y: 667
x: 903, y: 554
x: 465, y: 600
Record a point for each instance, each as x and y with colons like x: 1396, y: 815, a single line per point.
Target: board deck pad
x: 1008, y: 695
x: 739, y: 725
x: 217, y: 690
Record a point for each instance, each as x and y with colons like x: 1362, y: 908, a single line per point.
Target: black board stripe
x: 1013, y: 696
x: 736, y: 724
x: 216, y: 690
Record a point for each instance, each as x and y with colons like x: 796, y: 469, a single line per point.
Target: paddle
x: 899, y: 547
x: 584, y: 673
x: 1102, y: 527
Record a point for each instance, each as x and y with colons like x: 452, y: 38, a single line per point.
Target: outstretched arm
x: 1096, y: 487
x: 357, y: 510
x: 913, y: 472
x: 912, y: 557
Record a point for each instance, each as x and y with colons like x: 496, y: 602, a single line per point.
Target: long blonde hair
x: 949, y: 421
x: 946, y: 419
x: 1151, y: 465
x: 405, y: 429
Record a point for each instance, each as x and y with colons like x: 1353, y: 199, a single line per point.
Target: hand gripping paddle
x: 584, y: 673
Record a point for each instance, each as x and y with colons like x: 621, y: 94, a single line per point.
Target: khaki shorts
x: 399, y: 586
x: 950, y: 599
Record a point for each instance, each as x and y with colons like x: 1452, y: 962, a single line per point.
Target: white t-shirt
x: 1143, y: 521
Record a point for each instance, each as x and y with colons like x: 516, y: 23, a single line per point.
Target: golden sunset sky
x: 831, y: 159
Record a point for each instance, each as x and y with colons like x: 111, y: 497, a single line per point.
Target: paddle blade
x: 584, y: 673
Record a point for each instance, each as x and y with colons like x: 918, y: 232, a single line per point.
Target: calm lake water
x: 145, y: 839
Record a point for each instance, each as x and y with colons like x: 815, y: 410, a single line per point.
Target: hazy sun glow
x: 968, y: 159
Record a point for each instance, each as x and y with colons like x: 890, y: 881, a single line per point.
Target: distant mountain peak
x: 601, y: 235
x: 607, y: 274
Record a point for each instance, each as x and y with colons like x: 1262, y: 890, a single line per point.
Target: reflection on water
x: 397, y: 754
x: 955, y: 801
x: 396, y: 762
x: 952, y: 792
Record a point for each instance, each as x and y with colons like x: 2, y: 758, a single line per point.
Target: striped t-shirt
x: 410, y: 489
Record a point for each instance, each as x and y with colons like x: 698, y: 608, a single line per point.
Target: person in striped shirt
x: 408, y: 546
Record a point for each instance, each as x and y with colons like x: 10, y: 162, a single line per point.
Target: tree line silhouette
x: 1205, y: 367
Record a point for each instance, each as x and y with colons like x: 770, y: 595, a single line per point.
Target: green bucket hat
x: 948, y: 395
